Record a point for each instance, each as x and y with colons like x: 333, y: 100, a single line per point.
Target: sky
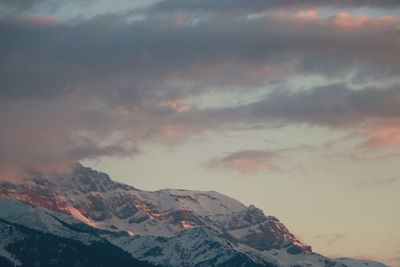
x: 293, y: 106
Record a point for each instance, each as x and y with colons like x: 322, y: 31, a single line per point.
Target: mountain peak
x: 95, y: 199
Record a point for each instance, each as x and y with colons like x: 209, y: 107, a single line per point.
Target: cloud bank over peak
x: 126, y: 77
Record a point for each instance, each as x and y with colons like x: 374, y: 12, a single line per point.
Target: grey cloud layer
x: 218, y: 5
x: 132, y: 58
x: 105, y: 76
x: 260, y: 5
x: 334, y: 106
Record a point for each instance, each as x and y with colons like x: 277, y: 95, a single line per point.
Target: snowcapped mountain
x: 95, y: 199
x: 167, y: 227
x: 36, y: 237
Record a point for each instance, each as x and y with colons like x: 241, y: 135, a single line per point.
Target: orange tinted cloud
x: 345, y: 20
x: 306, y: 15
x: 383, y: 137
x: 176, y: 104
x: 247, y: 161
x: 303, y: 15
x: 340, y: 19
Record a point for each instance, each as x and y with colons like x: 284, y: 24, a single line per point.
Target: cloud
x: 39, y: 20
x: 345, y: 20
x: 248, y: 161
x: 147, y: 55
x: 333, y: 105
x: 169, y: 6
x: 110, y: 75
x: 20, y: 4
x: 381, y: 135
x: 261, y: 5
x: 87, y: 149
x: 50, y: 148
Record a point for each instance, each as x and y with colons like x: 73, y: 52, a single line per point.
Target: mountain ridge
x: 93, y: 197
x: 213, y: 228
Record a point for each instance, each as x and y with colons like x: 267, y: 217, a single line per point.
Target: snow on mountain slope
x: 168, y: 227
x: 19, y: 222
x: 95, y: 199
x: 199, y: 246
x: 43, y: 238
x: 201, y: 203
x: 203, y: 247
x: 41, y: 220
x: 194, y: 247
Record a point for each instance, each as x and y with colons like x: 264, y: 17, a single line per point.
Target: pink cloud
x: 248, y: 165
x: 382, y: 136
x: 302, y: 15
x: 377, y: 135
x: 345, y: 20
x: 176, y: 104
x: 341, y: 19
x: 248, y: 161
